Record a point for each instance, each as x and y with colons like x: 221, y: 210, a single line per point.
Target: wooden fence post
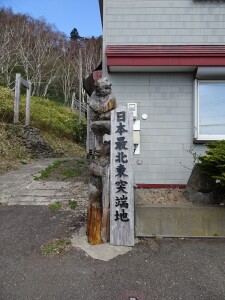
x: 27, y: 122
x: 73, y: 101
x: 17, y: 98
x: 80, y: 83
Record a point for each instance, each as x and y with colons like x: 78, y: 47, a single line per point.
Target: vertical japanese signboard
x: 121, y: 178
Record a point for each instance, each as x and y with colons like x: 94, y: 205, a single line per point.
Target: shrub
x: 213, y: 163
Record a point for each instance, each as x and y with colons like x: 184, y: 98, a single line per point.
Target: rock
x: 198, y: 197
x: 33, y: 142
x: 200, y: 188
x: 200, y: 182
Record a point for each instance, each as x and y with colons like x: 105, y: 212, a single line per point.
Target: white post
x: 27, y: 122
x: 88, y: 130
x: 73, y: 100
x: 17, y: 98
x: 80, y: 83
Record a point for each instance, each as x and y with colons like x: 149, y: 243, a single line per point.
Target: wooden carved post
x: 101, y: 103
x: 121, y: 181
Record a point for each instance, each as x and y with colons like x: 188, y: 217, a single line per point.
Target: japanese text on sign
x: 121, y: 201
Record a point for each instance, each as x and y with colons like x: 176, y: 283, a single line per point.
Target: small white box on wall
x: 133, y: 108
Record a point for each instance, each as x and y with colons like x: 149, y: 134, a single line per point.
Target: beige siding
x: 178, y: 22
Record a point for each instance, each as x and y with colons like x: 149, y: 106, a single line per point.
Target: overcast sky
x: 65, y: 14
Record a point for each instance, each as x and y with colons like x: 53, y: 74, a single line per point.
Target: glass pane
x: 212, y: 108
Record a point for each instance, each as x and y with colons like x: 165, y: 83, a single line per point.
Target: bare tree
x: 43, y: 55
x: 92, y: 54
x: 8, y: 48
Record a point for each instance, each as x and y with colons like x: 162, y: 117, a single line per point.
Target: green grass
x: 69, y: 173
x: 80, y: 162
x: 72, y: 204
x: 55, y: 206
x: 47, y: 171
x: 47, y: 115
x: 57, y: 246
x: 58, y: 126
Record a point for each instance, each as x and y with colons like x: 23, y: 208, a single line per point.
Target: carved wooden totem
x: 101, y: 103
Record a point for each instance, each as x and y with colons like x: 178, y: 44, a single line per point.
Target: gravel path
x: 161, y: 196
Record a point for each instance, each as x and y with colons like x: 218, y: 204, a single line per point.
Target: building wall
x: 164, y: 22
x: 167, y: 134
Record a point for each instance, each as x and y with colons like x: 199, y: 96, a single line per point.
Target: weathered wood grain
x: 105, y: 206
x: 122, y: 230
x: 94, y: 224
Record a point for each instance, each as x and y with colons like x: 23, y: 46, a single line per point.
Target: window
x: 209, y: 110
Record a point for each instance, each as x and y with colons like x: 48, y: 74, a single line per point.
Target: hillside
x: 58, y: 126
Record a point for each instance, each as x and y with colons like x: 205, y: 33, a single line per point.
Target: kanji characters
x: 120, y: 171
x: 121, y: 201
x: 121, y: 116
x: 123, y: 216
x: 121, y: 157
x: 121, y: 186
x: 121, y: 128
x: 121, y: 143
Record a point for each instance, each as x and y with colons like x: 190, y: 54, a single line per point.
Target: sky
x: 64, y: 14
x: 212, y: 107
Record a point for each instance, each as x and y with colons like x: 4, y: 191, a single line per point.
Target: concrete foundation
x: 180, y: 220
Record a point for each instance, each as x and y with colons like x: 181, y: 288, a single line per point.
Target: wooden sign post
x: 121, y: 178
x: 27, y: 84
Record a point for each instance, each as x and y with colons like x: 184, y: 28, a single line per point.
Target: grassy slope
x: 56, y: 123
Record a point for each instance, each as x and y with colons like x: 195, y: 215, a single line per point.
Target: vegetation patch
x: 72, y: 204
x: 58, y: 126
x: 72, y: 170
x: 57, y: 246
x: 46, y: 115
x: 216, y: 234
x: 64, y: 205
x: 47, y: 171
x: 12, y: 151
x: 71, y: 173
x: 213, y: 163
x: 55, y: 206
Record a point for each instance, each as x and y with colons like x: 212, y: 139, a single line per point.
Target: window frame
x: 197, y: 136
